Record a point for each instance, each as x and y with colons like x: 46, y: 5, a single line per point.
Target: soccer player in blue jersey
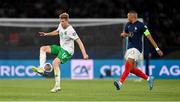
x: 134, y: 30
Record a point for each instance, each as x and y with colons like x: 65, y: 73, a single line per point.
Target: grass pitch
x: 88, y: 90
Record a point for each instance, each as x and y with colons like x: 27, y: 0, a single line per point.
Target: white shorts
x: 133, y: 53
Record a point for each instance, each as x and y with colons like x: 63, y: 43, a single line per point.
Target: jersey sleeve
x: 58, y: 29
x: 145, y: 30
x: 126, y: 28
x: 72, y: 34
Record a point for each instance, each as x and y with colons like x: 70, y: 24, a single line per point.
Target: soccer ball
x: 48, y: 67
x: 48, y: 71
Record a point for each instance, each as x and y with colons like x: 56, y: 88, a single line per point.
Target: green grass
x: 88, y: 90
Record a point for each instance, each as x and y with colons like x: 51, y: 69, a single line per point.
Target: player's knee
x: 45, y: 48
x: 56, y: 62
x: 42, y: 48
x: 131, y: 62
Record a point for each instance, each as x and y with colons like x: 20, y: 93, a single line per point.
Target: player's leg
x: 131, y: 58
x: 138, y: 72
x: 56, y: 64
x: 62, y: 57
x: 128, y: 67
x: 42, y: 56
x: 141, y: 74
x: 42, y: 59
x: 129, y: 64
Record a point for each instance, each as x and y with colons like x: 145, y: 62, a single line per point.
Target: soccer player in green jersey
x: 64, y: 51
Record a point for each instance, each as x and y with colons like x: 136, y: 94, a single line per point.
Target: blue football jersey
x: 135, y: 32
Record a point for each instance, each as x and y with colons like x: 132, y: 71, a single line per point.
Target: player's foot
x: 38, y: 70
x: 55, y: 89
x: 117, y: 85
x: 150, y: 82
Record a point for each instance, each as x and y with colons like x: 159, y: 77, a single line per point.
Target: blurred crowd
x: 162, y: 16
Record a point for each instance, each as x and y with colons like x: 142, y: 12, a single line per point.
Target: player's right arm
x: 125, y: 32
x: 55, y: 32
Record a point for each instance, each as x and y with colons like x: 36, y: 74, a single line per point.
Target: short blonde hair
x: 134, y: 13
x: 64, y: 16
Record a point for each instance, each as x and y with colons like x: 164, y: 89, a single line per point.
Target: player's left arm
x: 82, y: 48
x: 150, y: 38
x: 73, y: 35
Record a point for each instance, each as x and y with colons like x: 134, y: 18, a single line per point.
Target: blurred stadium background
x: 99, y: 24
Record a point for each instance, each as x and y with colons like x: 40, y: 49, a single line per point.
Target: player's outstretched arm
x: 48, y: 34
x: 124, y: 34
x: 150, y: 38
x: 81, y: 46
